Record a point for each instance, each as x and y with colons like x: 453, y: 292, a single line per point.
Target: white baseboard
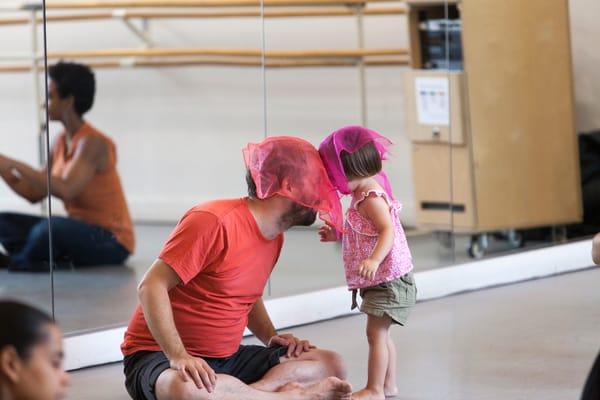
x: 102, y: 347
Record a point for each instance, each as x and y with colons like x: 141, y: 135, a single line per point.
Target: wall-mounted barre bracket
x: 31, y: 6
x: 140, y: 33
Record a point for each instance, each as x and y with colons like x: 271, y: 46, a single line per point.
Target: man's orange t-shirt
x: 224, y: 262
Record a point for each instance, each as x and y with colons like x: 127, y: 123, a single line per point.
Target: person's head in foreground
x: 31, y: 354
x: 290, y: 170
x: 352, y: 154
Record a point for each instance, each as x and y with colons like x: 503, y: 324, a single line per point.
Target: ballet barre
x: 155, y: 15
x: 103, y: 4
x: 136, y: 15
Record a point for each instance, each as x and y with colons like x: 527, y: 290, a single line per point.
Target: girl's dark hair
x: 22, y: 327
x: 363, y: 163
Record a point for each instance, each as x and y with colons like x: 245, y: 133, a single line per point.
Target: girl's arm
x: 329, y: 234
x: 377, y: 210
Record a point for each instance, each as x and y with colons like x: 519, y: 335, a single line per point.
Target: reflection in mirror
x: 434, y: 115
x: 24, y: 234
x: 342, y: 65
x: 515, y: 167
x: 172, y: 109
x: 431, y: 115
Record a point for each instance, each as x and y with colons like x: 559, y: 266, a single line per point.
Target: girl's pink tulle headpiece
x: 279, y: 157
x: 350, y: 139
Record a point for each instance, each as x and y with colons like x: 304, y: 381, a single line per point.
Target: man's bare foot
x: 390, y: 391
x: 329, y: 389
x: 289, y: 387
x: 368, y: 394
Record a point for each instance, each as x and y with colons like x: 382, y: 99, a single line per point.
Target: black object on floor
x: 4, y: 260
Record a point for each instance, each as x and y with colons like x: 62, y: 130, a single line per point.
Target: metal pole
x: 362, y: 84
x: 48, y: 170
x: 450, y: 145
x: 33, y: 23
x: 264, y: 68
x: 264, y: 87
x: 36, y: 83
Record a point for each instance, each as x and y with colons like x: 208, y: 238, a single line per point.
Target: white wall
x: 180, y: 131
x: 17, y: 123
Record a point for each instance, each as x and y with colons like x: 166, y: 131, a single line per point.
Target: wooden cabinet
x: 437, y: 133
x: 509, y: 136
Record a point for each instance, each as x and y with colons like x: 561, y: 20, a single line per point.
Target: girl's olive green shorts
x: 394, y: 299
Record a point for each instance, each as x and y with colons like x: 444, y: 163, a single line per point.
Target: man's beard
x: 298, y: 215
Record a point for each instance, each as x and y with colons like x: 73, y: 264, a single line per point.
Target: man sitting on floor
x: 184, y: 339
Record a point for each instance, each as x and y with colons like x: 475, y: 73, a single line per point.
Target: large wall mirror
x: 178, y: 94
x: 351, y: 68
x: 521, y: 158
x: 521, y: 128
x: 151, y: 105
x: 168, y: 96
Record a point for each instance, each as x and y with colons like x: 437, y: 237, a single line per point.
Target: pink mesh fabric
x: 351, y: 138
x: 280, y: 157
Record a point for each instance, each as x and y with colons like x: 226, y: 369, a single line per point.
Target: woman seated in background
x: 31, y: 355
x: 98, y: 229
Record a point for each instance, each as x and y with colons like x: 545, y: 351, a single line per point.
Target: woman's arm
x: 22, y: 187
x: 90, y: 156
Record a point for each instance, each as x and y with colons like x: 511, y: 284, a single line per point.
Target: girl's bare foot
x: 390, y: 391
x: 368, y: 394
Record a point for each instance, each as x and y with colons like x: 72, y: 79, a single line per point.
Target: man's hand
x: 368, y: 268
x: 327, y: 234
x: 197, y: 370
x: 295, y: 346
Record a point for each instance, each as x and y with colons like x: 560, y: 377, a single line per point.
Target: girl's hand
x: 327, y: 234
x: 368, y: 268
